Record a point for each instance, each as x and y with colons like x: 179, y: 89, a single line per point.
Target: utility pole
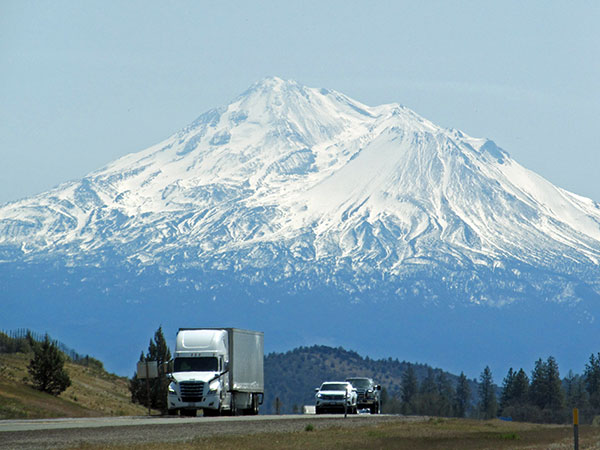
x: 148, y: 388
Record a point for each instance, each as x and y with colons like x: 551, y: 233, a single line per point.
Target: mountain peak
x: 272, y: 86
x: 274, y: 83
x: 342, y: 182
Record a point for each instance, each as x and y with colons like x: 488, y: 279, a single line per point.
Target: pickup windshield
x: 204, y: 364
x: 359, y: 383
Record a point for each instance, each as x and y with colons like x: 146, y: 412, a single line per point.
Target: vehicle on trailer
x: 217, y: 370
x: 368, y: 392
x: 336, y: 396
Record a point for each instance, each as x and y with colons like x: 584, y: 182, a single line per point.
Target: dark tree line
x: 435, y: 395
x: 23, y: 340
x: 545, y: 397
x: 540, y: 397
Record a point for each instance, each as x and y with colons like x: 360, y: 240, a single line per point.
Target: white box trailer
x: 218, y: 370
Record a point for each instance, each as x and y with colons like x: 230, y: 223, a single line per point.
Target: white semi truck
x: 217, y: 370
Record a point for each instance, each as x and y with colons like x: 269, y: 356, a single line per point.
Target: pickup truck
x: 336, y: 396
x: 369, y: 393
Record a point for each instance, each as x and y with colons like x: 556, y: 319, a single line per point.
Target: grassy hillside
x: 93, y: 392
x: 294, y: 375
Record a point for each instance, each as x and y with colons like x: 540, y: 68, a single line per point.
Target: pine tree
x: 487, y: 396
x: 47, y: 368
x: 556, y: 397
x: 428, y: 385
x: 538, y: 390
x: 576, y: 394
x: 520, y: 390
x: 463, y: 396
x: 508, y: 386
x: 427, y: 401
x: 158, y: 351
x: 546, y: 387
x: 410, y: 389
x: 592, y: 380
x: 446, y: 395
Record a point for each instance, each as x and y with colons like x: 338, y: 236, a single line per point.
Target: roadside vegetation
x: 92, y: 392
x: 435, y: 433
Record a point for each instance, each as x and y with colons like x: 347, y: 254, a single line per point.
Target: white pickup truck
x: 336, y: 396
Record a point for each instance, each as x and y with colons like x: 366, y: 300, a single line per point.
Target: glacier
x: 291, y: 200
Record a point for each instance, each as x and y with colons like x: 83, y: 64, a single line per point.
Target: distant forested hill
x: 293, y: 376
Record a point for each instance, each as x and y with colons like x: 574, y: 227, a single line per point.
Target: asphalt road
x: 65, y: 433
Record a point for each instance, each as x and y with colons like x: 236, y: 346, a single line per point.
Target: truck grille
x: 191, y: 391
x: 333, y: 396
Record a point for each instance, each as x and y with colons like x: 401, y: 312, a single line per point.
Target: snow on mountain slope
x: 291, y: 176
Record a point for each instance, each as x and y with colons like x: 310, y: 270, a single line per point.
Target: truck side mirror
x: 316, y: 389
x: 378, y: 387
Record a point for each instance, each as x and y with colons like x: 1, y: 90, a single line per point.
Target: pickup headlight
x: 319, y: 395
x: 172, y: 389
x: 213, y: 386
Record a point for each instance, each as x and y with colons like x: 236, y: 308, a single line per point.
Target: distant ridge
x: 293, y: 376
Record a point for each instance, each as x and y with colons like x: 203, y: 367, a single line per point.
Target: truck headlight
x: 319, y: 395
x: 172, y: 389
x: 213, y: 386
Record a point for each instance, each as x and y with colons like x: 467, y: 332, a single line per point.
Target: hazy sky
x: 82, y: 83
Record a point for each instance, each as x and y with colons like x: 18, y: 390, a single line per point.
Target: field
x: 433, y: 433
x: 93, y: 392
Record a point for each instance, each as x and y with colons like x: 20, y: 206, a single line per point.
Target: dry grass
x: 434, y: 434
x: 92, y: 393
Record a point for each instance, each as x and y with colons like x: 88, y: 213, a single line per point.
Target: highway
x: 64, y: 433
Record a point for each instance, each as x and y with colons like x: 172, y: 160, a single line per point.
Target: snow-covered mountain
x: 306, y: 190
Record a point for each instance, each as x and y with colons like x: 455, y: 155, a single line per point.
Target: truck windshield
x: 359, y: 383
x: 204, y: 364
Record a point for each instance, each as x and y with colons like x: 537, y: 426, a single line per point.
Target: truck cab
x: 219, y: 371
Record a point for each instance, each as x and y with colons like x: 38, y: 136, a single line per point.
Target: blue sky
x: 82, y: 83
